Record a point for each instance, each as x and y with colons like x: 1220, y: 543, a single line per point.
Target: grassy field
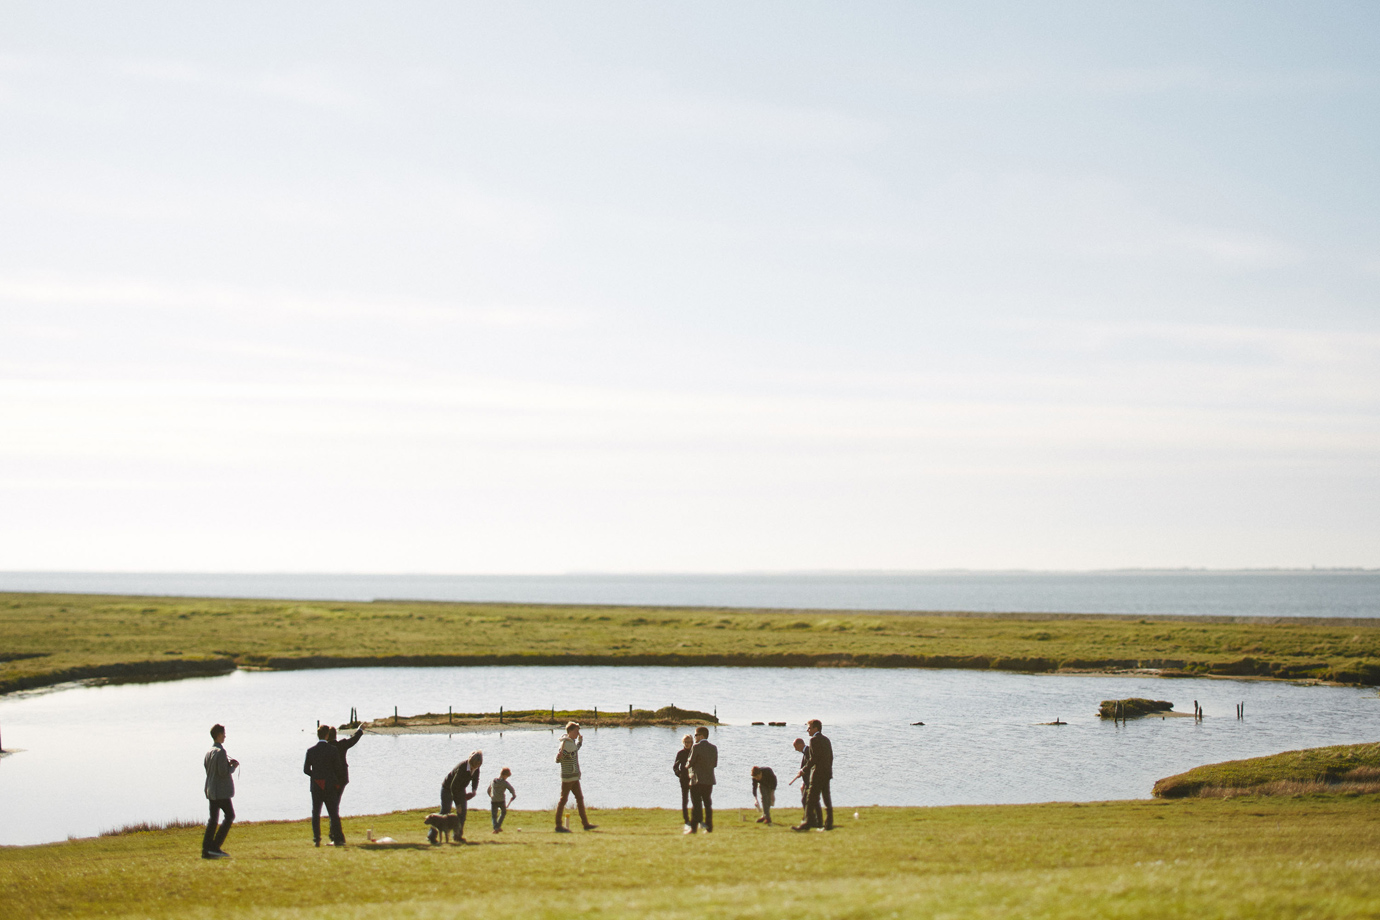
x: 46, y: 639
x: 1201, y: 858
x: 1344, y: 767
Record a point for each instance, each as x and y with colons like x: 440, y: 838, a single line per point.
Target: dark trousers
x: 702, y: 810
x: 685, y: 800
x: 330, y: 797
x: 497, y: 812
x: 819, y: 790
x: 462, y: 808
x: 213, y: 838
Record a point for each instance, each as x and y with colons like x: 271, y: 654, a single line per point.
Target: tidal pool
x: 95, y: 758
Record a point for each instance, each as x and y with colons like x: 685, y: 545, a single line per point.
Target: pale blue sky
x: 688, y: 287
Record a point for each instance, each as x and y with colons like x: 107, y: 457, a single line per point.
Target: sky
x: 688, y: 287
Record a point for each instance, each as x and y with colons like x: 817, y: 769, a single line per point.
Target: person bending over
x: 764, y: 779
x: 466, y: 773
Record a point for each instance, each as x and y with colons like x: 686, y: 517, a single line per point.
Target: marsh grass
x: 52, y: 638
x: 1315, y: 856
x: 1346, y: 768
x: 145, y: 827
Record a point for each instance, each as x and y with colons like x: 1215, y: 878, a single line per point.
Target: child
x: 765, y: 778
x: 498, y: 804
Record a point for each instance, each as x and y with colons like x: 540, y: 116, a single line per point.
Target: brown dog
x: 445, y: 824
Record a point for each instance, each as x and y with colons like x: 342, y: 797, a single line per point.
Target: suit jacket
x: 704, y: 757
x: 219, y: 783
x: 821, y: 758
x: 342, y: 747
x: 323, y: 763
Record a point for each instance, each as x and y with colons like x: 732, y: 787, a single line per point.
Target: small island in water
x: 446, y: 722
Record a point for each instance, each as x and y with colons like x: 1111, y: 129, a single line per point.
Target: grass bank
x: 1313, y: 857
x: 1345, y: 768
x: 49, y: 638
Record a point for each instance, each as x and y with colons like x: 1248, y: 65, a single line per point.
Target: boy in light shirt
x: 568, y: 756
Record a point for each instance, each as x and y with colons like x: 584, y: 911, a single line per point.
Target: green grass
x: 45, y: 639
x: 1354, y: 767
x: 1201, y: 858
x: 1132, y: 708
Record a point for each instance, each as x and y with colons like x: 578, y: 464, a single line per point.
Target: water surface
x: 100, y: 757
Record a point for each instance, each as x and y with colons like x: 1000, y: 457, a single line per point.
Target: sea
x: 1318, y: 593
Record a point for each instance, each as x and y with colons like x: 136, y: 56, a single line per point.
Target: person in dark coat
x: 819, y: 773
x: 764, y: 779
x: 466, y: 773
x: 220, y: 789
x: 704, y: 757
x: 322, y: 765
x: 343, y: 749
x: 682, y: 772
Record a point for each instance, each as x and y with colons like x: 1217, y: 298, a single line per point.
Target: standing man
x: 704, y: 757
x: 466, y: 773
x: 322, y: 767
x: 682, y: 772
x: 568, y: 756
x: 220, y: 789
x: 820, y: 772
x: 343, y: 749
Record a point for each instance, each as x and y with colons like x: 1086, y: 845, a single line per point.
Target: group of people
x: 694, y: 766
x: 328, y: 770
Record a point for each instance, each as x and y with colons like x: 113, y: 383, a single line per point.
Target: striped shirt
x: 570, y: 759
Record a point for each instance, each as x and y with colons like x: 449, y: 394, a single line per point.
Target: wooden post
x: 450, y: 715
x: 596, y: 713
x: 553, y: 714
x: 500, y: 715
x: 395, y: 715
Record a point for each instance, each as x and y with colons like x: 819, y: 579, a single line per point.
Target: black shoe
x: 590, y: 827
x: 220, y: 854
x: 800, y: 827
x: 562, y: 830
x: 207, y: 854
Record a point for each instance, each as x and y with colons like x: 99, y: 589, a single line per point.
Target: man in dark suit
x: 343, y: 749
x: 818, y: 774
x: 704, y: 757
x: 322, y: 765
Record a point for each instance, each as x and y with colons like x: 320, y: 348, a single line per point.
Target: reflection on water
x: 99, y: 757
